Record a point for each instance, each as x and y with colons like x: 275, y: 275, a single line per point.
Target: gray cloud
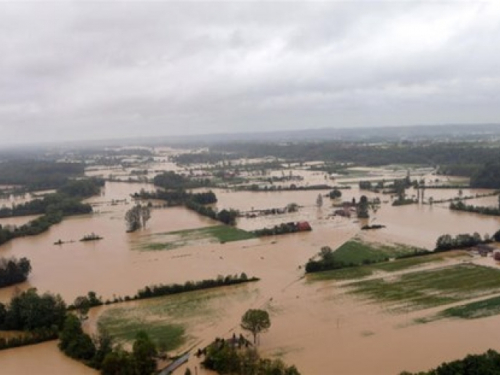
x: 77, y: 70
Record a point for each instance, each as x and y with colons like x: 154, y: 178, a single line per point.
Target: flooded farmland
x: 331, y: 328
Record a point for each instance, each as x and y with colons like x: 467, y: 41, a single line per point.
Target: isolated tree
x: 363, y: 207
x: 255, y: 321
x: 319, y: 201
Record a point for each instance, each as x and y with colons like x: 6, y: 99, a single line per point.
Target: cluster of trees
x: 227, y: 217
x: 38, y: 174
x: 473, y: 364
x: 335, y: 193
x: 283, y: 228
x: 29, y: 311
x: 224, y: 358
x: 461, y: 206
x: 173, y: 181
x: 178, y: 197
x: 137, y: 217
x: 460, y: 241
x: 13, y: 271
x: 488, y: 176
x: 100, y: 353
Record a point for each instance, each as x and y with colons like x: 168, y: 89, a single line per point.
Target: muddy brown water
x: 313, y: 326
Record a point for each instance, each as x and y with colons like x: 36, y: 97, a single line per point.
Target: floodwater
x: 43, y: 359
x: 330, y: 331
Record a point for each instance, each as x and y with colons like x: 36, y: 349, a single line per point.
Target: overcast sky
x: 92, y: 70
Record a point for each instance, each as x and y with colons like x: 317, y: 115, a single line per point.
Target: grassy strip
x: 177, y: 239
x: 474, y: 310
x: 342, y: 274
x: 431, y: 288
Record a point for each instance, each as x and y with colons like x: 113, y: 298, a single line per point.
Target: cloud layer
x: 76, y: 70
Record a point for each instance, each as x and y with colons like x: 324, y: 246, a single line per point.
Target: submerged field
x: 190, y: 237
x: 423, y: 289
x: 173, y: 321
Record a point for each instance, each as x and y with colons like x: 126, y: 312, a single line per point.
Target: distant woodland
x: 38, y: 175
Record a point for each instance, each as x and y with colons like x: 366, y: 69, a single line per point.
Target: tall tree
x: 255, y: 321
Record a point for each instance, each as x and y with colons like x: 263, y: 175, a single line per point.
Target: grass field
x: 422, y: 289
x: 177, y: 239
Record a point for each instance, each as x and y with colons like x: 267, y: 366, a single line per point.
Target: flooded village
x: 363, y: 268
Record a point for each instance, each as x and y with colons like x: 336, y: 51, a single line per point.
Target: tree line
x: 447, y: 242
x: 461, y: 206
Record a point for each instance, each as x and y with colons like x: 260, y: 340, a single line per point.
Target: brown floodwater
x: 43, y: 359
x: 330, y: 331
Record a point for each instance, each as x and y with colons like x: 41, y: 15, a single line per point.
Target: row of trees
x: 461, y: 206
x: 462, y: 241
x: 13, y: 271
x: 284, y: 228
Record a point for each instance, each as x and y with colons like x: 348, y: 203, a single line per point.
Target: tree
x: 319, y: 201
x: 255, y: 321
x: 143, y: 354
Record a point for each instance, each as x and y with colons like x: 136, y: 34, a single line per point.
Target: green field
x: 177, y: 239
x: 422, y: 289
x: 169, y: 320
x: 356, y: 252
